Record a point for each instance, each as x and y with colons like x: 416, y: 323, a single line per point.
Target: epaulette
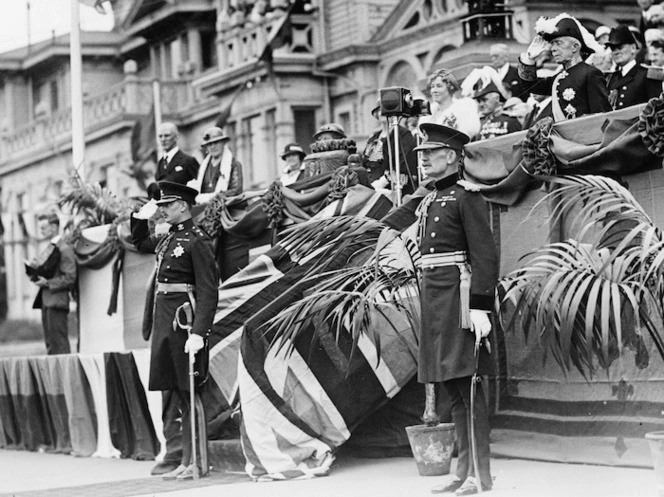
x: 468, y: 186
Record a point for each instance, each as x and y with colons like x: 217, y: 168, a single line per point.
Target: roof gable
x: 410, y: 16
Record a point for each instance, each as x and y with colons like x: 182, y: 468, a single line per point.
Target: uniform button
x: 165, y: 279
x: 622, y: 96
x: 436, y: 219
x: 452, y: 192
x: 432, y: 250
x: 442, y: 204
x: 168, y: 267
x: 624, y: 87
x: 433, y: 235
x: 620, y: 104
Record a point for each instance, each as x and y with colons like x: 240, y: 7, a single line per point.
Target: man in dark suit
x: 185, y: 272
x: 455, y: 238
x: 174, y: 165
x: 629, y: 84
x: 541, y: 109
x: 508, y: 73
x: 53, y: 296
x: 580, y: 88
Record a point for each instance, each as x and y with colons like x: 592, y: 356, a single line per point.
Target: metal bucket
x: 432, y: 447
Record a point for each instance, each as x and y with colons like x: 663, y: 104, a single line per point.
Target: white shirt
x: 627, y: 67
x: 169, y: 155
x: 502, y: 72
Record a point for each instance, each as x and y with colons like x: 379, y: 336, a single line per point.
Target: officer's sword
x: 186, y: 307
x: 473, y: 393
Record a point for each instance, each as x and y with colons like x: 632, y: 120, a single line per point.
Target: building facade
x: 276, y: 69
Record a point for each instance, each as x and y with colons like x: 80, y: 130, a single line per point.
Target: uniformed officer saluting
x: 455, y: 238
x: 185, y: 272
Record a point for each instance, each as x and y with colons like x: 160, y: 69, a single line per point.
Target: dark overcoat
x: 500, y: 124
x: 182, y: 168
x: 633, y: 88
x: 185, y: 255
x: 456, y: 219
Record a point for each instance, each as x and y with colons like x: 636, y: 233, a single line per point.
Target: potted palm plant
x: 588, y: 297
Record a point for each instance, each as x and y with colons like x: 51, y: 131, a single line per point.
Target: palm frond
x: 377, y: 288
x: 92, y: 204
x: 576, y: 295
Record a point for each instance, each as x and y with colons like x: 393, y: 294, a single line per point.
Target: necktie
x: 163, y: 163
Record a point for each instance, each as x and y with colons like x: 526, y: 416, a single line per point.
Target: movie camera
x: 398, y: 101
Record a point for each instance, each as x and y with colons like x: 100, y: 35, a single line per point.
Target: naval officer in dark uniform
x: 629, y: 84
x: 578, y: 89
x: 185, y: 272
x: 455, y: 240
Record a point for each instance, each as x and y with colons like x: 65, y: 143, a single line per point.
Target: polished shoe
x: 175, y: 473
x: 469, y: 487
x: 448, y: 486
x: 164, y: 467
x: 188, y: 473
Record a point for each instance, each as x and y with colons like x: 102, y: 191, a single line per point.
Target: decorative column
x: 195, y: 51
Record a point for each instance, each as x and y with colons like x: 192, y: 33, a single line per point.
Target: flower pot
x: 432, y: 447
x: 656, y: 442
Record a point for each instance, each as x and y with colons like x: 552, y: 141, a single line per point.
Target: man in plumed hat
x: 629, y: 84
x: 578, y: 89
x: 493, y: 121
x: 174, y: 165
x: 185, y: 272
x: 455, y: 238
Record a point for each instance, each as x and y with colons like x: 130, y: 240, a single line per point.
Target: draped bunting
x: 62, y: 404
x: 613, y: 144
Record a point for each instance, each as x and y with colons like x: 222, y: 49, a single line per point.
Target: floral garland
x: 343, y: 178
x: 651, y: 126
x: 211, y: 222
x: 331, y: 145
x: 537, y: 158
x: 272, y: 203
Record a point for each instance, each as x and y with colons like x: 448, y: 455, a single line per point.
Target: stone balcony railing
x: 240, y: 44
x: 127, y: 100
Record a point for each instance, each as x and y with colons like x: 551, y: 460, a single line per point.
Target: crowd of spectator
x: 566, y: 72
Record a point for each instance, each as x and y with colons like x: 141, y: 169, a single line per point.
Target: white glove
x: 535, y: 49
x: 194, y: 343
x: 161, y: 229
x: 147, y: 211
x: 480, y: 323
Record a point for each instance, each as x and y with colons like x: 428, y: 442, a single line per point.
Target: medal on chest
x: 178, y: 251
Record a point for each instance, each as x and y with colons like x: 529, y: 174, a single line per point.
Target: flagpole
x: 75, y: 61
x: 156, y: 98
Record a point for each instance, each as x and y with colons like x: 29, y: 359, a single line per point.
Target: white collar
x: 169, y: 155
x: 627, y: 67
x: 56, y: 239
x: 502, y: 72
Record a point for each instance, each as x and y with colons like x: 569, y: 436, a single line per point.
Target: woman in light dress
x: 446, y: 109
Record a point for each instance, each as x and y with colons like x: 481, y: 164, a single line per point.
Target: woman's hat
x: 293, y: 149
x: 214, y: 134
x: 331, y: 128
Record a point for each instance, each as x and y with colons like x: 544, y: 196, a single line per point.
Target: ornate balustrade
x: 239, y: 44
x: 134, y: 96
